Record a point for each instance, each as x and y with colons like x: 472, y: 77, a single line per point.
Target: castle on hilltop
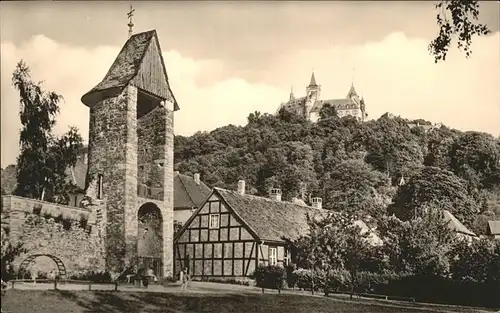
x: 310, y: 105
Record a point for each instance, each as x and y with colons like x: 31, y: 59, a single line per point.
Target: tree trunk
x: 312, y: 281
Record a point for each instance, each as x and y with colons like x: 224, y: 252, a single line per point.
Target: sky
x: 228, y: 59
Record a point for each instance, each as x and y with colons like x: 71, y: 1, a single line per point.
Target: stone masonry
x: 32, y: 222
x: 111, y: 157
x: 168, y: 194
x: 129, y: 165
x: 130, y: 157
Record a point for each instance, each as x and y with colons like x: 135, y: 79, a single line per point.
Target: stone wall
x: 77, y: 248
x: 15, y: 208
x: 33, y: 223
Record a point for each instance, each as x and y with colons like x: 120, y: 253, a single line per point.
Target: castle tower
x: 313, y: 93
x: 130, y: 158
x: 359, y: 103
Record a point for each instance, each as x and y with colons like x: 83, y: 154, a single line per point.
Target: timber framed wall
x: 228, y: 250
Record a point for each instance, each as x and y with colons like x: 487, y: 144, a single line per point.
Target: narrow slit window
x: 99, y: 187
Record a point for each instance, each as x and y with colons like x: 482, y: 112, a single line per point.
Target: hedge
x: 270, y: 277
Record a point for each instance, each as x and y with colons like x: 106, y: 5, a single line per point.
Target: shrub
x: 230, y: 281
x: 23, y: 274
x: 337, y: 280
x: 92, y: 276
x: 271, y: 277
x: 441, y: 290
x: 304, y: 279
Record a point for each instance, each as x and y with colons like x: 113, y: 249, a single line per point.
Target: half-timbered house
x: 232, y: 233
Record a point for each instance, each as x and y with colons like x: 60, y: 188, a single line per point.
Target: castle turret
x: 313, y: 90
x: 131, y: 145
x: 313, y: 93
x: 352, y: 93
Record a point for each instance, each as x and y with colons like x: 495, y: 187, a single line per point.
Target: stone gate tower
x: 130, y: 161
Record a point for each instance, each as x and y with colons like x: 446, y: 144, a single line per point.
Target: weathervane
x: 352, y: 78
x: 130, y: 24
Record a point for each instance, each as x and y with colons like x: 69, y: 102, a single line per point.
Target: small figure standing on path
x: 34, y: 276
x: 151, y: 274
x: 185, y: 278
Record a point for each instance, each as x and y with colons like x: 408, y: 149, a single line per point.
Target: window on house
x: 99, y: 187
x: 273, y: 256
x: 214, y: 221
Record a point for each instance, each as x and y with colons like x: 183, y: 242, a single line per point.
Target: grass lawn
x: 38, y: 301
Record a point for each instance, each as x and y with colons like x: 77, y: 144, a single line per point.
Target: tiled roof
x: 187, y: 193
x: 455, y: 225
x: 494, y: 227
x: 270, y: 220
x: 125, y: 67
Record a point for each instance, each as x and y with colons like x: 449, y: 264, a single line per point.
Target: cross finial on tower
x: 130, y: 24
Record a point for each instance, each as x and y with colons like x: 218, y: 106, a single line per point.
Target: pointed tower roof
x: 313, y: 80
x: 140, y: 57
x: 352, y: 92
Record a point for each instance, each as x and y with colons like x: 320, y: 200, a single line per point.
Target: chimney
x: 316, y: 203
x: 197, y: 178
x: 275, y: 194
x: 241, y: 187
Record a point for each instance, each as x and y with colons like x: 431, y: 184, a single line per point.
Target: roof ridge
x: 274, y: 201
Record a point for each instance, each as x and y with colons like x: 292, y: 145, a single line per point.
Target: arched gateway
x: 60, y: 265
x: 150, y: 238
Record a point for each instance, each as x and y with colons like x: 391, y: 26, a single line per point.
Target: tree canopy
x: 360, y: 166
x: 456, y: 19
x: 44, y: 158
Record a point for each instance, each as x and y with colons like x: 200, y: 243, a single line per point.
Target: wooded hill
x: 386, y: 165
